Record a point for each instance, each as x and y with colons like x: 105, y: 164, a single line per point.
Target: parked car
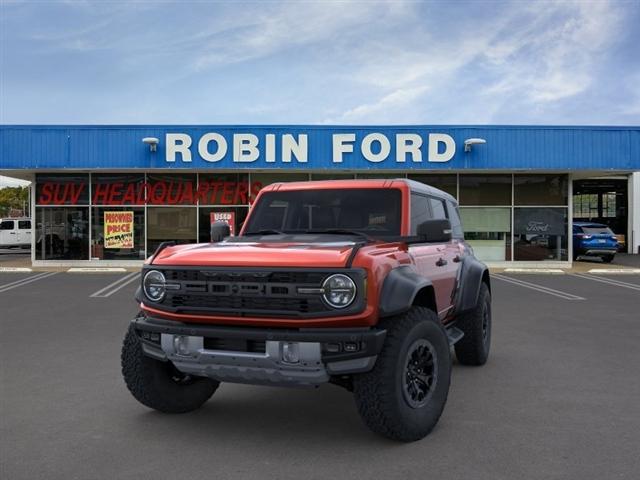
x: 365, y: 284
x: 594, y: 240
x: 15, y: 232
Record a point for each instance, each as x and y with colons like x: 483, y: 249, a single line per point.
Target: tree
x: 13, y: 198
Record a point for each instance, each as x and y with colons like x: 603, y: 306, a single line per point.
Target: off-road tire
x: 473, y: 348
x: 379, y: 394
x: 152, y: 382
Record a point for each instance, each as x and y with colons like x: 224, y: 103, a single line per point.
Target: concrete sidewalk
x: 14, y: 258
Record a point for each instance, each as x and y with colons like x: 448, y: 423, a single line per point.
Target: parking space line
x: 115, y: 286
x: 538, y: 288
x: 24, y: 281
x: 609, y: 281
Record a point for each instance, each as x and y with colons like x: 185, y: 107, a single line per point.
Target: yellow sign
x: 118, y: 229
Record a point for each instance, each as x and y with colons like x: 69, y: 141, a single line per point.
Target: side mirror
x: 437, y: 231
x: 219, y: 231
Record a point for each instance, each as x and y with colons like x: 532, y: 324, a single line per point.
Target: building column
x: 634, y: 213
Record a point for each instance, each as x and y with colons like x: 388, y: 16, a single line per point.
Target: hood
x: 258, y: 254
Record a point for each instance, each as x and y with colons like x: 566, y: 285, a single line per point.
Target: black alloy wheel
x: 421, y: 373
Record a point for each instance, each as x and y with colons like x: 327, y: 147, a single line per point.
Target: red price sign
x: 228, y: 217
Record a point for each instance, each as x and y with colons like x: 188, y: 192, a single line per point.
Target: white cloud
x: 533, y: 54
x: 553, y: 57
x: 387, y: 104
x: 287, y: 26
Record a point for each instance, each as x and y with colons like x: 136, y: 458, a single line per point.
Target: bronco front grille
x: 244, y: 292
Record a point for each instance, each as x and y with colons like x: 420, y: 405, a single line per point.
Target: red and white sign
x: 228, y: 217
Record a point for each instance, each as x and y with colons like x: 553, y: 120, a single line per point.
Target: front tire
x: 473, y: 348
x: 159, y: 385
x: 608, y: 258
x: 404, y: 395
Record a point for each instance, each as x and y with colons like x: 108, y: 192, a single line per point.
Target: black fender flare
x: 399, y: 291
x: 472, y: 273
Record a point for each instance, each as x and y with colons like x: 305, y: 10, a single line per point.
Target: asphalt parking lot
x: 557, y: 399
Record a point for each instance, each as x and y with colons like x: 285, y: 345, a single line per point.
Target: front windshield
x: 374, y: 212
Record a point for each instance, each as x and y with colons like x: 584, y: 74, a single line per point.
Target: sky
x: 320, y: 62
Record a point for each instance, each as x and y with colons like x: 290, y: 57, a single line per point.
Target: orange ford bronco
x: 365, y: 284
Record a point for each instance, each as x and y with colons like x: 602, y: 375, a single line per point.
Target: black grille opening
x: 195, y: 287
x: 217, y: 288
x: 235, y: 345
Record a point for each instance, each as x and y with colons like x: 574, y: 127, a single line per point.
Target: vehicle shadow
x: 280, y: 417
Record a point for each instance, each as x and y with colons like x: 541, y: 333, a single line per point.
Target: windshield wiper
x: 342, y: 231
x: 264, y: 232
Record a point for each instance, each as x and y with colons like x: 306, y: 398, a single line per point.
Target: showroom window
x: 117, y: 233
x: 488, y: 231
x: 171, y: 189
x: 540, y: 189
x: 62, y: 216
x: 62, y: 189
x: 118, y: 189
x: 540, y: 234
x: 489, y: 190
x: 62, y: 233
x: 170, y: 223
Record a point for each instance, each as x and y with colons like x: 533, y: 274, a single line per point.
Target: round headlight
x: 339, y: 290
x: 154, y: 285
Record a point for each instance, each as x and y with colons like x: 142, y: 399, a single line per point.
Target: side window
x: 420, y: 211
x: 6, y: 225
x: 456, y: 224
x: 24, y: 225
x: 437, y: 207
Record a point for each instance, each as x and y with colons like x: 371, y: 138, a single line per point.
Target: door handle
x: 457, y: 259
x: 441, y: 262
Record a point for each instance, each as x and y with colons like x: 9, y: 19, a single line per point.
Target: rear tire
x: 608, y: 258
x: 473, y: 348
x: 159, y: 385
x: 404, y: 395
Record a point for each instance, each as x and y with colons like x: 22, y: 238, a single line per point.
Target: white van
x: 15, y: 232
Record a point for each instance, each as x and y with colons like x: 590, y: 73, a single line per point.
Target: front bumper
x: 598, y: 252
x: 257, y: 355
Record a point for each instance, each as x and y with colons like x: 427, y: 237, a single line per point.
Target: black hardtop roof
x: 420, y: 187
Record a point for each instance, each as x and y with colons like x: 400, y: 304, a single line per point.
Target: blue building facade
x: 514, y: 184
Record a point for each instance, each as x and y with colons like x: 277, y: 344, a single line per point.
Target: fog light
x: 291, y: 352
x: 181, y: 344
x: 350, y: 347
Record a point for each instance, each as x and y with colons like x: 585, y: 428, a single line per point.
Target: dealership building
x: 520, y: 188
